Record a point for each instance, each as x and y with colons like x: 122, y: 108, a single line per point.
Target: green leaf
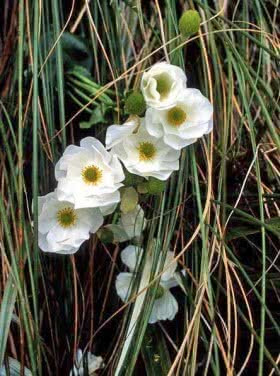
x: 129, y: 200
x: 156, y: 186
x: 6, y: 314
x: 155, y: 353
x: 118, y: 232
x: 242, y: 231
x: 97, y: 116
x: 271, y: 224
x: 132, y: 179
x: 143, y: 188
x: 76, y: 51
x: 105, y: 235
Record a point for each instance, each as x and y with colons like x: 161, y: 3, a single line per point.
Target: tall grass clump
x: 66, y: 71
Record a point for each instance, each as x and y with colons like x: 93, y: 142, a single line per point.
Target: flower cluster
x: 165, y: 306
x: 90, y: 176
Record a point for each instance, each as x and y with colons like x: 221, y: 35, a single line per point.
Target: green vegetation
x: 64, y: 74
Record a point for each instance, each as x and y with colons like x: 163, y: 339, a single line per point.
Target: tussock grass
x: 219, y: 213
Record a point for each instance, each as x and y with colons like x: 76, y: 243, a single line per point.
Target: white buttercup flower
x: 61, y: 227
x: 141, y: 153
x: 190, y: 118
x: 92, y: 361
x: 89, y: 176
x: 133, y: 222
x: 165, y: 305
x: 162, y: 84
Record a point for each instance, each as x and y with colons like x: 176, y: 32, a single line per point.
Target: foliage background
x: 65, y: 68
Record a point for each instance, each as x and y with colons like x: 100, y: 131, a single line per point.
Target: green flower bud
x: 189, y: 23
x: 155, y: 186
x: 135, y: 103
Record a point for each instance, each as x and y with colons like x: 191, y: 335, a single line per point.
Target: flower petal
x: 123, y: 284
x: 170, y: 265
x: 117, y: 133
x: 164, y: 308
x: 133, y: 222
x: 131, y: 256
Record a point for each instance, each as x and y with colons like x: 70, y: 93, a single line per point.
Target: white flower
x: 89, y: 176
x: 93, y: 364
x: 162, y: 84
x: 190, y: 118
x: 165, y: 305
x: 133, y: 222
x: 61, y: 227
x: 141, y: 153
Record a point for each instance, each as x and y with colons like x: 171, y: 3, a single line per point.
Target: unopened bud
x: 135, y: 104
x: 189, y: 23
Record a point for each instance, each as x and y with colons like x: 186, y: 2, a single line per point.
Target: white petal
x: 153, y: 125
x: 199, y: 109
x: 170, y: 265
x: 117, y: 169
x: 177, y: 142
x: 133, y: 222
x: 165, y: 308
x: 117, y: 133
x: 94, y: 363
x: 47, y: 220
x: 69, y: 151
x: 43, y: 199
x: 92, y: 143
x: 131, y: 256
x: 90, y: 218
x: 193, y: 131
x: 123, y: 284
x: 42, y: 242
x: 105, y: 200
x: 108, y: 209
x: 210, y: 126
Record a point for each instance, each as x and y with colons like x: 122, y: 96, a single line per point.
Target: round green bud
x: 189, y: 23
x: 135, y: 103
x: 155, y: 186
x: 105, y: 235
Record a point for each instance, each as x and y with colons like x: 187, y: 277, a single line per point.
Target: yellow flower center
x: 147, y: 151
x: 163, y: 84
x: 92, y: 174
x: 66, y: 217
x: 160, y: 292
x: 176, y: 116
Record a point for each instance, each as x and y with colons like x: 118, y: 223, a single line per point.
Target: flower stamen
x: 176, y: 116
x: 92, y: 175
x: 147, y: 151
x: 66, y: 217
